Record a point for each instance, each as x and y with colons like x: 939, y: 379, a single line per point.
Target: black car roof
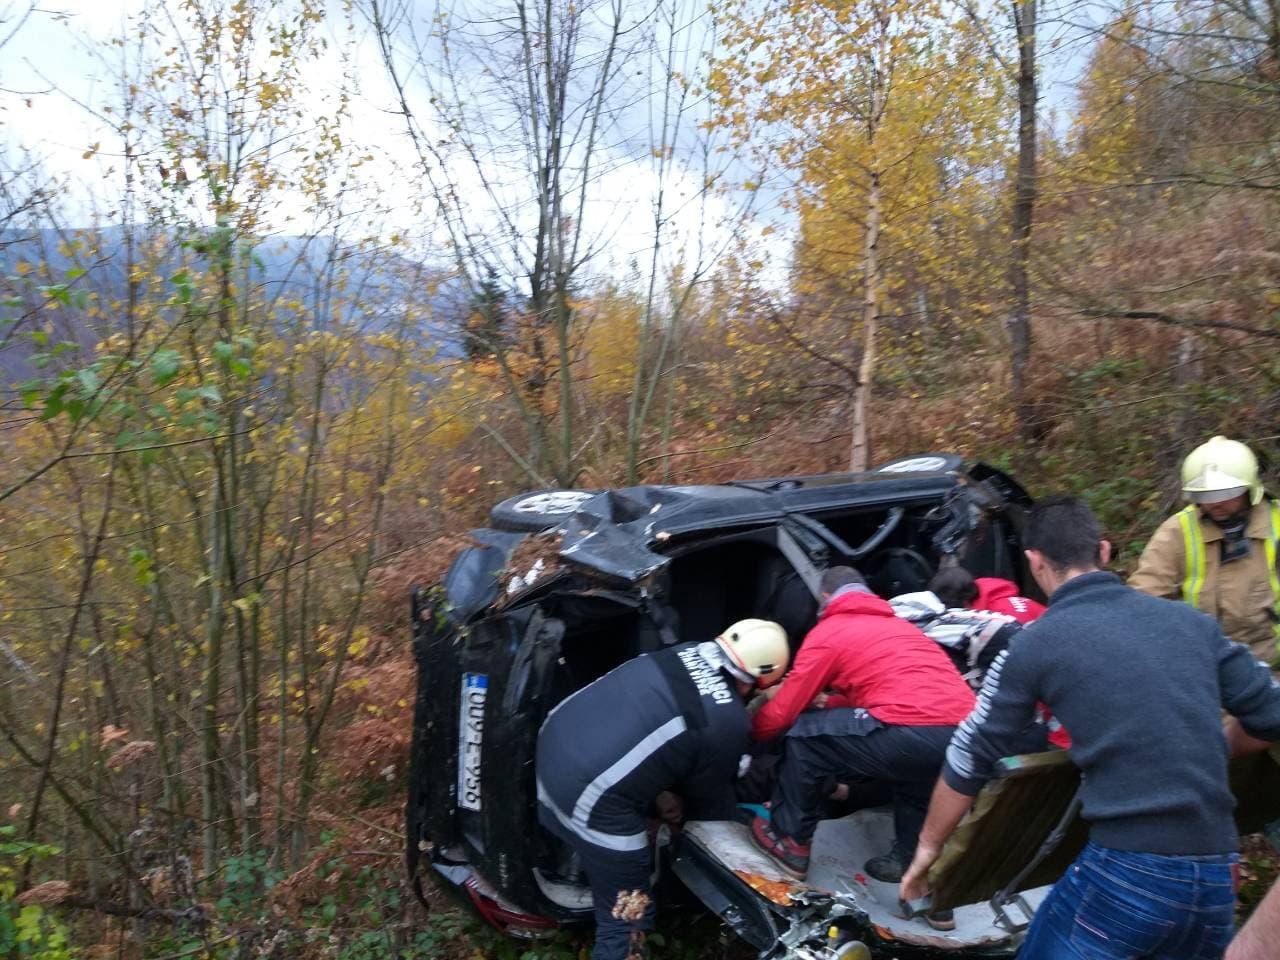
x: 614, y: 531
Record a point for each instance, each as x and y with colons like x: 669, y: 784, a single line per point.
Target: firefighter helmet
x: 757, y: 651
x: 1220, y: 469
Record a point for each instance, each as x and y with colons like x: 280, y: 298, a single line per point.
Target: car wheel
x: 922, y: 463
x: 899, y: 570
x: 532, y: 512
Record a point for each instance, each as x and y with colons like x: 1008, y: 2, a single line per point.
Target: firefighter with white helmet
x: 1219, y: 553
x: 755, y: 651
x: 675, y: 720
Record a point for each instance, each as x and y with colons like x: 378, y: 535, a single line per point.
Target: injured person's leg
x: 904, y: 761
x: 841, y: 796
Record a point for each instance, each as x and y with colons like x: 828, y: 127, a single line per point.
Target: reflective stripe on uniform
x: 637, y: 755
x: 1271, y: 568
x: 610, y: 841
x: 580, y: 820
x: 1193, y: 550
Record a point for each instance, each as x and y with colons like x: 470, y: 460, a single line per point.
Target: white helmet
x: 756, y: 651
x: 1220, y: 469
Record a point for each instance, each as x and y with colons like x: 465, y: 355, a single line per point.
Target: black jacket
x: 663, y: 721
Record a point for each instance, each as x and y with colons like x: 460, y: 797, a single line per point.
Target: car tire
x: 535, y: 511
x: 922, y: 463
x: 898, y: 570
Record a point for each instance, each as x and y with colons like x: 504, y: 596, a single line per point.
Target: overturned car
x: 566, y: 585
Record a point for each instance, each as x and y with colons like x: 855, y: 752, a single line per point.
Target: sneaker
x: 941, y: 919
x: 888, y: 868
x: 791, y: 856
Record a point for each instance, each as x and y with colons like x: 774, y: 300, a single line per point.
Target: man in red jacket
x: 897, y: 699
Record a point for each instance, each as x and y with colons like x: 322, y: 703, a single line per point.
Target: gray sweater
x: 1140, y: 684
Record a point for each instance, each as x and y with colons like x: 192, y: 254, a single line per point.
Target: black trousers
x: 757, y: 786
x: 611, y: 873
x: 907, y: 759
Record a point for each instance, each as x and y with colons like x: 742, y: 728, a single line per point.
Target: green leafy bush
x: 27, y: 932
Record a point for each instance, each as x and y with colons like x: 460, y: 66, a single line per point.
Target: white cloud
x: 59, y: 72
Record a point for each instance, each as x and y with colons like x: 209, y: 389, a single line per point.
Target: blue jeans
x: 1116, y: 905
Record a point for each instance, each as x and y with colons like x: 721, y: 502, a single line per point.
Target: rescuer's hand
x: 670, y: 808
x: 915, y: 882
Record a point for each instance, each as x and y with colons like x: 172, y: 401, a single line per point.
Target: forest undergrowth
x: 324, y: 282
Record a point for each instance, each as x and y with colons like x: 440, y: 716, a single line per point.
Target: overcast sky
x: 53, y: 78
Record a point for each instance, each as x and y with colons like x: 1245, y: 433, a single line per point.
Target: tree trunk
x: 1187, y: 376
x: 1019, y: 321
x: 314, y: 721
x: 91, y: 553
x: 210, y: 753
x: 860, y: 450
x: 566, y: 473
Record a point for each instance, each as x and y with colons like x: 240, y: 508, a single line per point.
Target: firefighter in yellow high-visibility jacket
x: 1219, y: 553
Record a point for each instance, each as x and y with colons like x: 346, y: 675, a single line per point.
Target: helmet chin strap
x: 1234, y: 545
x: 710, y: 652
x: 1234, y: 523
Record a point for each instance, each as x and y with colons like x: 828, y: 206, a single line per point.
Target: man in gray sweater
x: 1141, y: 683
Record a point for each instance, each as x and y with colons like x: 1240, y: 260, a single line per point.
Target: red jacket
x: 1001, y: 596
x: 871, y: 659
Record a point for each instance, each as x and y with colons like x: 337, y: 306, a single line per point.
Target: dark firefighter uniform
x: 670, y: 720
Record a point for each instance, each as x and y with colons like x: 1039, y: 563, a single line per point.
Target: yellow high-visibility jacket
x: 1181, y: 562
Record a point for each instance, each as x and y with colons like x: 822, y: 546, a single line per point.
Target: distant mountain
x: 377, y: 285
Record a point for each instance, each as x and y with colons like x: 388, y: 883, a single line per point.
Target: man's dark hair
x: 954, y: 586
x: 833, y: 578
x: 1066, y: 532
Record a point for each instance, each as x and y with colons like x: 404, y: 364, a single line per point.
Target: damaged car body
x: 566, y: 585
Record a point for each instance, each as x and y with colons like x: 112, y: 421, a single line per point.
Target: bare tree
x: 514, y: 114
x: 1019, y: 322
x: 678, y: 265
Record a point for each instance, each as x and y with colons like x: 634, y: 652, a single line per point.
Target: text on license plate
x: 475, y: 686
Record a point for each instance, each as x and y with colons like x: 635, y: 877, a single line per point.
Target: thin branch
x: 971, y: 11
x: 1173, y: 321
x: 847, y: 369
x: 689, y: 453
x: 193, y: 915
x: 520, y: 461
x: 36, y: 474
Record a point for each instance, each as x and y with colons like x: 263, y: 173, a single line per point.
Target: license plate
x: 475, y: 686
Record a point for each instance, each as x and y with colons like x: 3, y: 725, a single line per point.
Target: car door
x: 503, y: 697
x: 451, y: 697
x: 476, y: 723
